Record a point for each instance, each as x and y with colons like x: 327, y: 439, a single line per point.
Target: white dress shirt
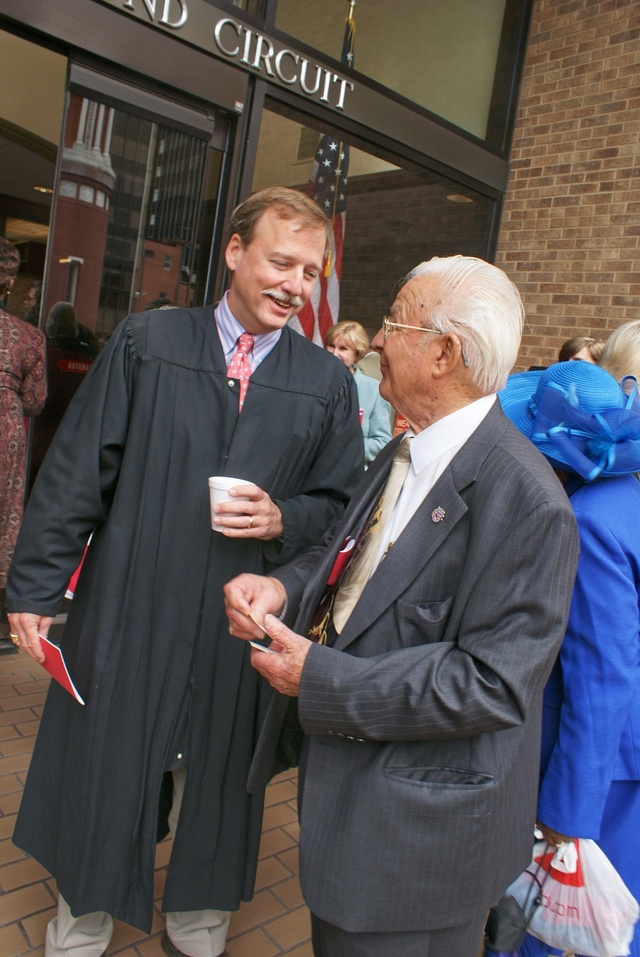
x: 431, y: 452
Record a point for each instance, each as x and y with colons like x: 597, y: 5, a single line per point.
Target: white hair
x: 621, y: 354
x: 479, y: 304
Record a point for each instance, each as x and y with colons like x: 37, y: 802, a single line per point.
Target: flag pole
x: 350, y: 22
x: 328, y: 186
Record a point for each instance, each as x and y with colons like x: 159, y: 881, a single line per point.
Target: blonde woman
x: 349, y: 342
x: 621, y: 354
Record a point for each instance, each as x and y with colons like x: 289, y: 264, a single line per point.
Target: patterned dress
x: 23, y: 390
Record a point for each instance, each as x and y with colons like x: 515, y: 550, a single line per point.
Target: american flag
x: 328, y: 186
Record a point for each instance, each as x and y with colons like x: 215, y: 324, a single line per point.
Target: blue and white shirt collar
x: 229, y: 330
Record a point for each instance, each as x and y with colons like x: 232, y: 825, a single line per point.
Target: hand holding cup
x: 240, y: 509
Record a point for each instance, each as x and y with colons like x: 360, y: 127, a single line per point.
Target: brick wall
x: 571, y: 219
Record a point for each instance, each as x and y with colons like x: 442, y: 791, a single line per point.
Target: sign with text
x: 208, y: 28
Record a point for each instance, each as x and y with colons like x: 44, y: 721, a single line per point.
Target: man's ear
x: 233, y: 251
x: 448, y: 356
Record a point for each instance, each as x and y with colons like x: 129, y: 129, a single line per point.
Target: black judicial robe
x: 146, y: 639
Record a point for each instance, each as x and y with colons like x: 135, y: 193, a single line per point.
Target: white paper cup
x: 219, y: 486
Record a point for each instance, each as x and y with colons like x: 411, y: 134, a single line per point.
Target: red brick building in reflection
x: 84, y: 192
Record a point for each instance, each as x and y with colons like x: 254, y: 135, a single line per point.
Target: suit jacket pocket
x: 421, y: 623
x: 439, y: 791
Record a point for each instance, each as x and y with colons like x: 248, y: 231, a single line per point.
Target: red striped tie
x: 240, y: 367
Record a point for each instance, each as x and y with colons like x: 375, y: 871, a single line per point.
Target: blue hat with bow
x: 578, y: 416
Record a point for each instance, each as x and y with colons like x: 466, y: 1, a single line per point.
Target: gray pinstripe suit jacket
x: 420, y: 767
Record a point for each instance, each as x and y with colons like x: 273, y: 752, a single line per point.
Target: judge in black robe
x: 146, y: 639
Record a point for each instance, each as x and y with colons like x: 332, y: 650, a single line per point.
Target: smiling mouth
x: 283, y: 301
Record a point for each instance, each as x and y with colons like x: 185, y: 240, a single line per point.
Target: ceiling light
x: 459, y: 198
x: 43, y: 189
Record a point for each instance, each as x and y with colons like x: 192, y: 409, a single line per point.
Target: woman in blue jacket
x: 589, y: 429
x: 349, y: 342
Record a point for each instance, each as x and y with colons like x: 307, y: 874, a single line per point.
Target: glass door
x: 134, y: 219
x: 134, y: 223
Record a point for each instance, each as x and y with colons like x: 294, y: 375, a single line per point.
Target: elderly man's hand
x: 28, y: 628
x: 248, y: 599
x: 284, y: 669
x: 254, y: 516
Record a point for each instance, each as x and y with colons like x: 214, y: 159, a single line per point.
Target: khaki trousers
x: 198, y: 933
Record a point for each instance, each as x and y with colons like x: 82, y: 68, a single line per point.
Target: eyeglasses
x: 388, y: 326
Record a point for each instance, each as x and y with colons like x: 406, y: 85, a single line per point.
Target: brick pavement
x: 275, y: 922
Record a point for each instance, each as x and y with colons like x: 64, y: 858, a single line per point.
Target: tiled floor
x: 275, y: 922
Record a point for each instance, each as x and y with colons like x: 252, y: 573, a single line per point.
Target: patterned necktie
x: 240, y: 367
x: 359, y: 569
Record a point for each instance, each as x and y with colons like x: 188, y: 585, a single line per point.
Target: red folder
x: 55, y: 664
x: 342, y: 560
x: 76, y: 575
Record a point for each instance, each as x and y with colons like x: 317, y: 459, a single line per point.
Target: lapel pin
x: 438, y: 514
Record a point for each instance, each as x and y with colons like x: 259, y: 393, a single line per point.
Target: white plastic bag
x: 586, y: 906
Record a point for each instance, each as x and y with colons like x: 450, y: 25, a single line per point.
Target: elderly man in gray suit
x: 419, y: 693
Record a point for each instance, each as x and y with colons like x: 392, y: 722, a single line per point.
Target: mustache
x: 294, y: 301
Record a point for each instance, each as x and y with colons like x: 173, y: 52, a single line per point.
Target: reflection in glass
x: 251, y: 6
x: 440, y: 55
x: 133, y: 222
x: 152, y: 250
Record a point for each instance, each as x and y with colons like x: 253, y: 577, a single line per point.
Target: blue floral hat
x: 578, y: 416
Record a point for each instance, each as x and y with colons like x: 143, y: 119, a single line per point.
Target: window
x: 451, y: 58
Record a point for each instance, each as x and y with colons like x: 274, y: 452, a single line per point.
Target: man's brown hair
x: 287, y: 203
